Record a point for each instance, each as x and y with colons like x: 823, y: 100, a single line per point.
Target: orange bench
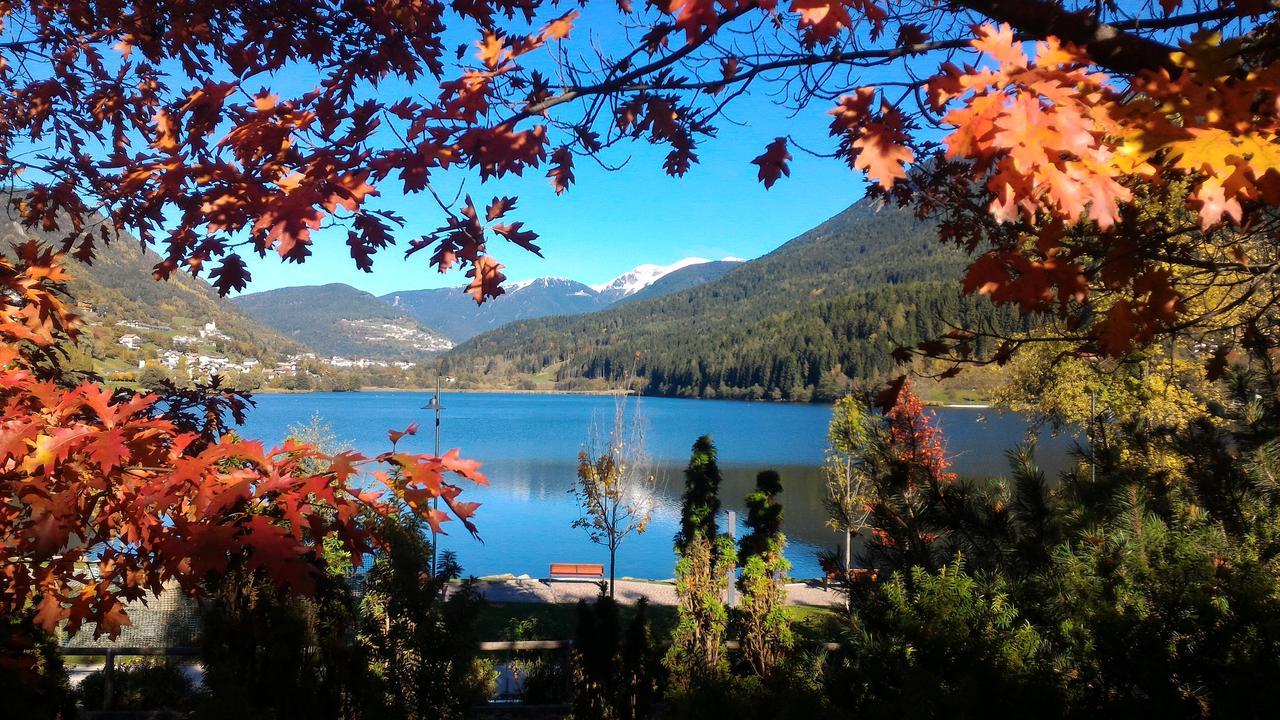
x: 577, y: 571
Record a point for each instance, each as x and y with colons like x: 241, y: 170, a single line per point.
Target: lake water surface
x: 529, y: 445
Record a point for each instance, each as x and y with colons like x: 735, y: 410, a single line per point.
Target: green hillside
x: 118, y: 297
x: 796, y: 324
x: 339, y: 320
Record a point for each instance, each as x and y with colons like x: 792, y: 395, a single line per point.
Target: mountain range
x: 454, y: 313
x: 337, y: 319
x: 802, y: 322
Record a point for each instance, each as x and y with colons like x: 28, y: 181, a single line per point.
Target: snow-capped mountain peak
x: 456, y: 315
x: 642, y: 276
x: 543, y: 281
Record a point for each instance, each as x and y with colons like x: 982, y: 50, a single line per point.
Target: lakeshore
x: 587, y: 393
x: 627, y: 590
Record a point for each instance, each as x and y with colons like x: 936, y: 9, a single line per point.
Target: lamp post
x: 435, y: 407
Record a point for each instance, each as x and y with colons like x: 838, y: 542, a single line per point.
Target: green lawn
x: 556, y: 621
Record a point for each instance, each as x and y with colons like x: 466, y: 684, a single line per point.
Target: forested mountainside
x: 798, y: 323
x: 339, y: 320
x: 118, y: 297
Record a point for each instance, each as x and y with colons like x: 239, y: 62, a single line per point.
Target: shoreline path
x: 628, y: 591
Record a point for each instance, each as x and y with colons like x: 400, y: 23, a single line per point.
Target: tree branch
x: 1107, y: 45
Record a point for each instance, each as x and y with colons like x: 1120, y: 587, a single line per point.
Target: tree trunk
x: 848, y: 550
x: 848, y: 553
x: 613, y: 555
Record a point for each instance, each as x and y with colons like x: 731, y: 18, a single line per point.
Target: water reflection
x: 529, y: 444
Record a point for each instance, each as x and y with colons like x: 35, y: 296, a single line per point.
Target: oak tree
x: 1028, y: 129
x: 109, y: 495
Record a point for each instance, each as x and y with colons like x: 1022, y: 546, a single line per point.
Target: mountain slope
x: 832, y: 302
x: 641, y: 277
x: 456, y: 315
x: 118, y: 296
x: 683, y: 279
x: 337, y: 319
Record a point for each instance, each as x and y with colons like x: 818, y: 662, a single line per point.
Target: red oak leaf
x: 773, y: 162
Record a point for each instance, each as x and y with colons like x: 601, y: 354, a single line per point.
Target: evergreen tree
x: 701, y: 500
x: 421, y: 646
x: 705, y: 558
x: 763, y: 630
x: 614, y: 668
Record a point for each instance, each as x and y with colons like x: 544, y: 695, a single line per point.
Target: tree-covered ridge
x: 339, y: 320
x: 802, y: 354
x: 118, y: 296
x: 834, y: 302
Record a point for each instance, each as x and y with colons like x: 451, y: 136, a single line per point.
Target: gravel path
x: 515, y: 590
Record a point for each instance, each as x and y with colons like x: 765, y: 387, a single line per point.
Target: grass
x: 555, y: 621
x: 815, y: 624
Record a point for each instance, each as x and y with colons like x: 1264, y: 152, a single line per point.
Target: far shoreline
x: 596, y: 393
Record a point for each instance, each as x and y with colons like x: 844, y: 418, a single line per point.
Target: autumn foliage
x: 1039, y: 133
x: 110, y: 495
x: 1112, y: 169
x: 906, y: 493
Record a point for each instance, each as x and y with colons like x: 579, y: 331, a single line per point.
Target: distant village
x: 196, y: 353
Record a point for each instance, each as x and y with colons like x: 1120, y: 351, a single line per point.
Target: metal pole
x: 436, y: 407
x: 108, y: 681
x: 435, y: 502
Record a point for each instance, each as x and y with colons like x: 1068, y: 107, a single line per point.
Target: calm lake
x: 529, y: 446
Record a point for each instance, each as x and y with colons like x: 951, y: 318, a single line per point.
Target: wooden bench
x: 576, y: 571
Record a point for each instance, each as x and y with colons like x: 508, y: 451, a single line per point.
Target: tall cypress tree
x: 764, y: 517
x: 701, y: 499
x: 705, y: 558
x: 763, y: 630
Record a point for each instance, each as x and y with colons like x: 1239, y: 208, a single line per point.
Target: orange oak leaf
x: 561, y: 170
x: 486, y: 279
x: 396, y: 435
x: 559, y: 28
x: 880, y: 152
x: 516, y: 234
x: 493, y: 50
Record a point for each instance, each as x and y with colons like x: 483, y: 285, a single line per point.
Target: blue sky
x: 611, y: 221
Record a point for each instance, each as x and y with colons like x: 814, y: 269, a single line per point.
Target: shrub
x: 421, y: 645
x: 271, y: 655
x: 33, y: 680
x: 140, y: 686
x: 615, y: 670
x: 940, y: 645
